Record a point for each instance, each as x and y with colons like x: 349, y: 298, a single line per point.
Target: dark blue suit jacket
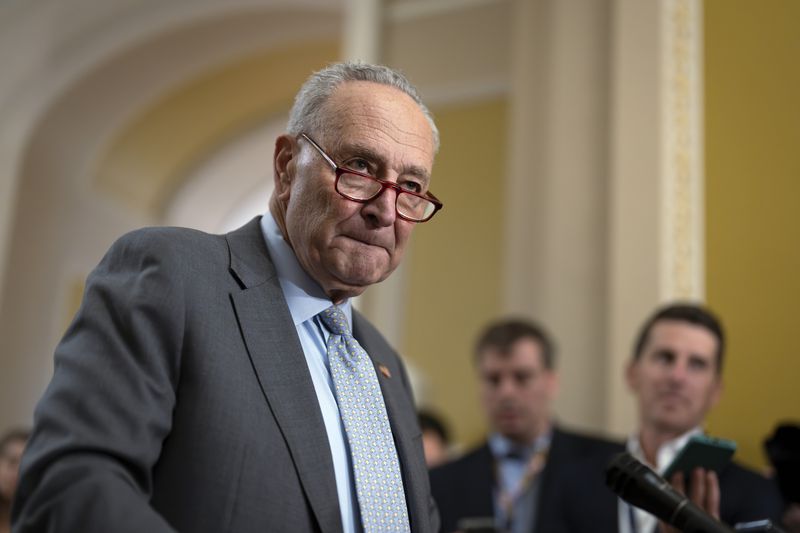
x: 583, y: 504
x: 463, y: 488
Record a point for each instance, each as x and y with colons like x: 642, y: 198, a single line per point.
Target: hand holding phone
x: 701, y: 452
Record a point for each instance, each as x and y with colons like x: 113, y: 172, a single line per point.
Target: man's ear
x: 630, y: 375
x: 284, y: 165
x: 716, y: 392
x: 553, y: 383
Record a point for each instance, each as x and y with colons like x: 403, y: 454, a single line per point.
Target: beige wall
x: 154, y: 153
x: 454, y: 268
x: 752, y: 80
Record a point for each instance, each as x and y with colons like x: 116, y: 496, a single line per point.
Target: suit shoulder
x: 165, y: 237
x: 747, y: 495
x: 585, y: 443
x: 463, y: 488
x: 578, y: 458
x: 168, y: 245
x: 475, y: 459
x: 737, y: 474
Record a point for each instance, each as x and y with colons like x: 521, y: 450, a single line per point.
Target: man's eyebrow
x: 370, y: 154
x: 699, y: 358
x: 664, y: 351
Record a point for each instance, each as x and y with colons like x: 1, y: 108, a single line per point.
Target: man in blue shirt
x: 505, y: 482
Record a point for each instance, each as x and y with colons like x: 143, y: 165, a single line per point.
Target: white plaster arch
x: 48, y: 47
x: 75, y: 72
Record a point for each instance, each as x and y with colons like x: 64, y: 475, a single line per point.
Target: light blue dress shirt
x: 509, y: 472
x: 306, y: 300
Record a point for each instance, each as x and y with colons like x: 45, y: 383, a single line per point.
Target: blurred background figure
x: 12, y: 444
x: 783, y: 450
x: 435, y: 438
x: 675, y: 375
x: 506, y: 480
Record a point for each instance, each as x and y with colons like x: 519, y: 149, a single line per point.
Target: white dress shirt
x: 633, y: 519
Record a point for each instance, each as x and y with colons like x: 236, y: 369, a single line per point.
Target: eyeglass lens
x: 361, y: 188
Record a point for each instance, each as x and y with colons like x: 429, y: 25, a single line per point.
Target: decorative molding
x: 682, y: 224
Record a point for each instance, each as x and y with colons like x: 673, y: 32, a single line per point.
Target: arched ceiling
x: 151, y: 155
x: 135, y: 124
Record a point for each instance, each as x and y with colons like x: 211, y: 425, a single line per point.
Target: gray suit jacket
x: 181, y: 401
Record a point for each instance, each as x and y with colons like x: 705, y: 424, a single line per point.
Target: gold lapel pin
x: 385, y: 371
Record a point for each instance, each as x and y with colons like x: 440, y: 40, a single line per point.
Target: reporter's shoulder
x: 466, y: 464
x: 588, y: 442
x: 748, y: 495
x: 750, y: 485
x: 741, y: 474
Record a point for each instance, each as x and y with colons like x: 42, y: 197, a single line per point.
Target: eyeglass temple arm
x: 320, y: 150
x: 433, y: 197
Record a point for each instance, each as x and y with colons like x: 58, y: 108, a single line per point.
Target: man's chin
x: 510, y: 429
x: 341, y: 288
x: 361, y: 282
x: 676, y: 425
x: 363, y: 274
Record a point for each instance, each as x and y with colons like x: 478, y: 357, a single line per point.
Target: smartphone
x: 704, y: 452
x: 477, y: 525
x: 760, y: 526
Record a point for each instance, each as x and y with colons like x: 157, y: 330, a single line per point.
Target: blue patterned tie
x: 379, y: 486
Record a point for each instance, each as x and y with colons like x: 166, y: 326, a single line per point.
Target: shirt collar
x: 666, y: 452
x: 304, y: 296
x: 501, y: 446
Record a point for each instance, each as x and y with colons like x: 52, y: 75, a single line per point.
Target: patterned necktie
x: 379, y: 486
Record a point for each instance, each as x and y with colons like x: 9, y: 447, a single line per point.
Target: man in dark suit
x: 196, y: 388
x: 675, y: 374
x: 505, y: 483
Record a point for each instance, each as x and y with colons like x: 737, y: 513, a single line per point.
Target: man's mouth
x: 368, y: 241
x: 672, y: 398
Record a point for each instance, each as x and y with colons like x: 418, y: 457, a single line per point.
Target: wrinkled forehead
x: 359, y: 111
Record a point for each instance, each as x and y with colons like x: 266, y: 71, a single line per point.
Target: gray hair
x: 306, y: 114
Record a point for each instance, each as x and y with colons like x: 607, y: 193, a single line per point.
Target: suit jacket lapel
x: 281, y: 368
x: 402, y: 417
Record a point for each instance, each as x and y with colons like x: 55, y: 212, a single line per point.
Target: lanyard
x: 507, y: 498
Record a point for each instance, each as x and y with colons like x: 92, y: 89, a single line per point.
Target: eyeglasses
x: 362, y: 188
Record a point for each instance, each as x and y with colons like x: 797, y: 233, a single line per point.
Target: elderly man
x: 223, y: 382
x: 505, y: 483
x: 676, y: 376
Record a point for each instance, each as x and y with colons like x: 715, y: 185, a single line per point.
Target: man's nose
x: 382, y: 207
x: 678, y: 372
x: 506, y: 387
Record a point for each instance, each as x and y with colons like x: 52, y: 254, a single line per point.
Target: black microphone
x: 641, y: 487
